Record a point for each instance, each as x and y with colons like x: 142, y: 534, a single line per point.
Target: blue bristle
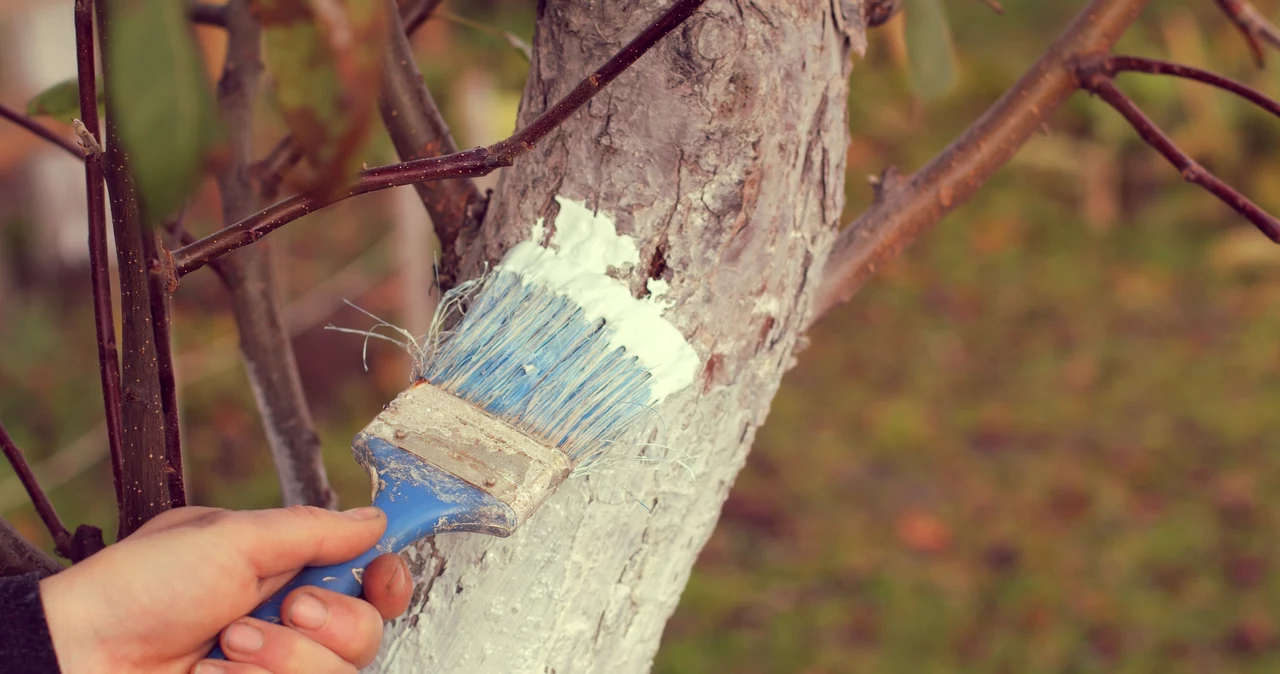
x: 532, y: 358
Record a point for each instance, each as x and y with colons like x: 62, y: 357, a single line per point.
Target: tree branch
x: 207, y: 14
x: 418, y: 130
x: 906, y: 208
x: 468, y: 163
x: 1112, y: 65
x: 38, y: 129
x: 1255, y: 27
x: 1095, y: 78
x: 19, y: 556
x: 61, y: 537
x: 99, y: 265
x: 145, y: 481
x: 251, y: 280
x: 160, y: 284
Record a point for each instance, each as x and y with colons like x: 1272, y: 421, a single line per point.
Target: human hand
x: 154, y: 602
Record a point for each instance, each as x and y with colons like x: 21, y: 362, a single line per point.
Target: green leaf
x: 326, y: 68
x: 60, y: 101
x: 929, y: 50
x: 161, y: 100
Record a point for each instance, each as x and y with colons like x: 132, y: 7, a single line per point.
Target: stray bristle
x: 530, y: 357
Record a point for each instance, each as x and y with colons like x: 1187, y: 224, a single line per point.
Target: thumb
x: 284, y: 540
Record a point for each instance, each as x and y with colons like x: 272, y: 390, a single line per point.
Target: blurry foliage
x: 1043, y: 441
x: 324, y: 68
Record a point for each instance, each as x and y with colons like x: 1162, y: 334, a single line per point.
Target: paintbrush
x: 553, y: 363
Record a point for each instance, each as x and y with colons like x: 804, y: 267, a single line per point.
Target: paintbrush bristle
x: 531, y: 357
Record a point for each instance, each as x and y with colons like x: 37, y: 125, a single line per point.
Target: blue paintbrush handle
x: 419, y: 499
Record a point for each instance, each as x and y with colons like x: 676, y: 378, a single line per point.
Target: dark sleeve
x: 25, y: 644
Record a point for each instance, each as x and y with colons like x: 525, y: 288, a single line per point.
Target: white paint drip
x: 576, y: 264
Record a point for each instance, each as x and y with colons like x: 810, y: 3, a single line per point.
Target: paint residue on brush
x: 575, y: 264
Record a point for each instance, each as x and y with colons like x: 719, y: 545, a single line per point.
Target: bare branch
x: 161, y: 282
x: 1255, y: 27
x: 418, y: 130
x: 1113, y: 65
x: 38, y: 129
x: 1098, y: 82
x: 99, y: 265
x: 919, y: 201
x: 468, y: 163
x: 250, y: 279
x: 61, y: 537
x: 145, y: 481
x: 207, y: 14
x: 19, y: 556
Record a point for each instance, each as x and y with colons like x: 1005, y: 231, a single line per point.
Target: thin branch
x: 1098, y: 82
x: 61, y: 537
x: 1113, y: 65
x: 418, y: 130
x: 908, y: 207
x: 251, y: 280
x: 38, y: 129
x: 145, y: 480
x: 468, y: 163
x: 271, y: 170
x: 99, y: 264
x: 207, y: 14
x: 1255, y: 27
x: 160, y: 285
x: 19, y: 556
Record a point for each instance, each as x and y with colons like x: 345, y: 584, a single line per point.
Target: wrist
x: 74, y: 641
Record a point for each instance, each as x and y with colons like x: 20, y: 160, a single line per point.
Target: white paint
x: 576, y: 263
x: 657, y: 289
x: 767, y: 304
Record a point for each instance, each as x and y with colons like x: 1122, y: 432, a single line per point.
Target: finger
x: 350, y: 627
x: 279, y: 649
x: 286, y: 539
x: 224, y: 667
x: 388, y: 585
x: 177, y: 517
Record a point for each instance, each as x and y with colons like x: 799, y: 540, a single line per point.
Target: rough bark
x: 722, y: 153
x: 19, y: 556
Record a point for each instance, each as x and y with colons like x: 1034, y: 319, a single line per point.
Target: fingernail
x: 308, y: 612
x: 242, y: 638
x: 365, y: 513
x: 209, y: 668
x: 398, y: 578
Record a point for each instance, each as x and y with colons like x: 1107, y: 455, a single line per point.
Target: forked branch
x: 1255, y: 27
x: 905, y: 208
x: 468, y: 163
x: 1097, y: 77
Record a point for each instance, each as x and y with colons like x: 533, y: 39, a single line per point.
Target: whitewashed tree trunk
x: 722, y: 152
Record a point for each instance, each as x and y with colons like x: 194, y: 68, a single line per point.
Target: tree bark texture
x: 722, y: 152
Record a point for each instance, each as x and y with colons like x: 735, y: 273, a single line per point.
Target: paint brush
x: 553, y: 363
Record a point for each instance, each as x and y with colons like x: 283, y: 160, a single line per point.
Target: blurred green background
x: 1042, y: 441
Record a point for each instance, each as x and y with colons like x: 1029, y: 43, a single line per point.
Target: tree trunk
x: 723, y: 153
